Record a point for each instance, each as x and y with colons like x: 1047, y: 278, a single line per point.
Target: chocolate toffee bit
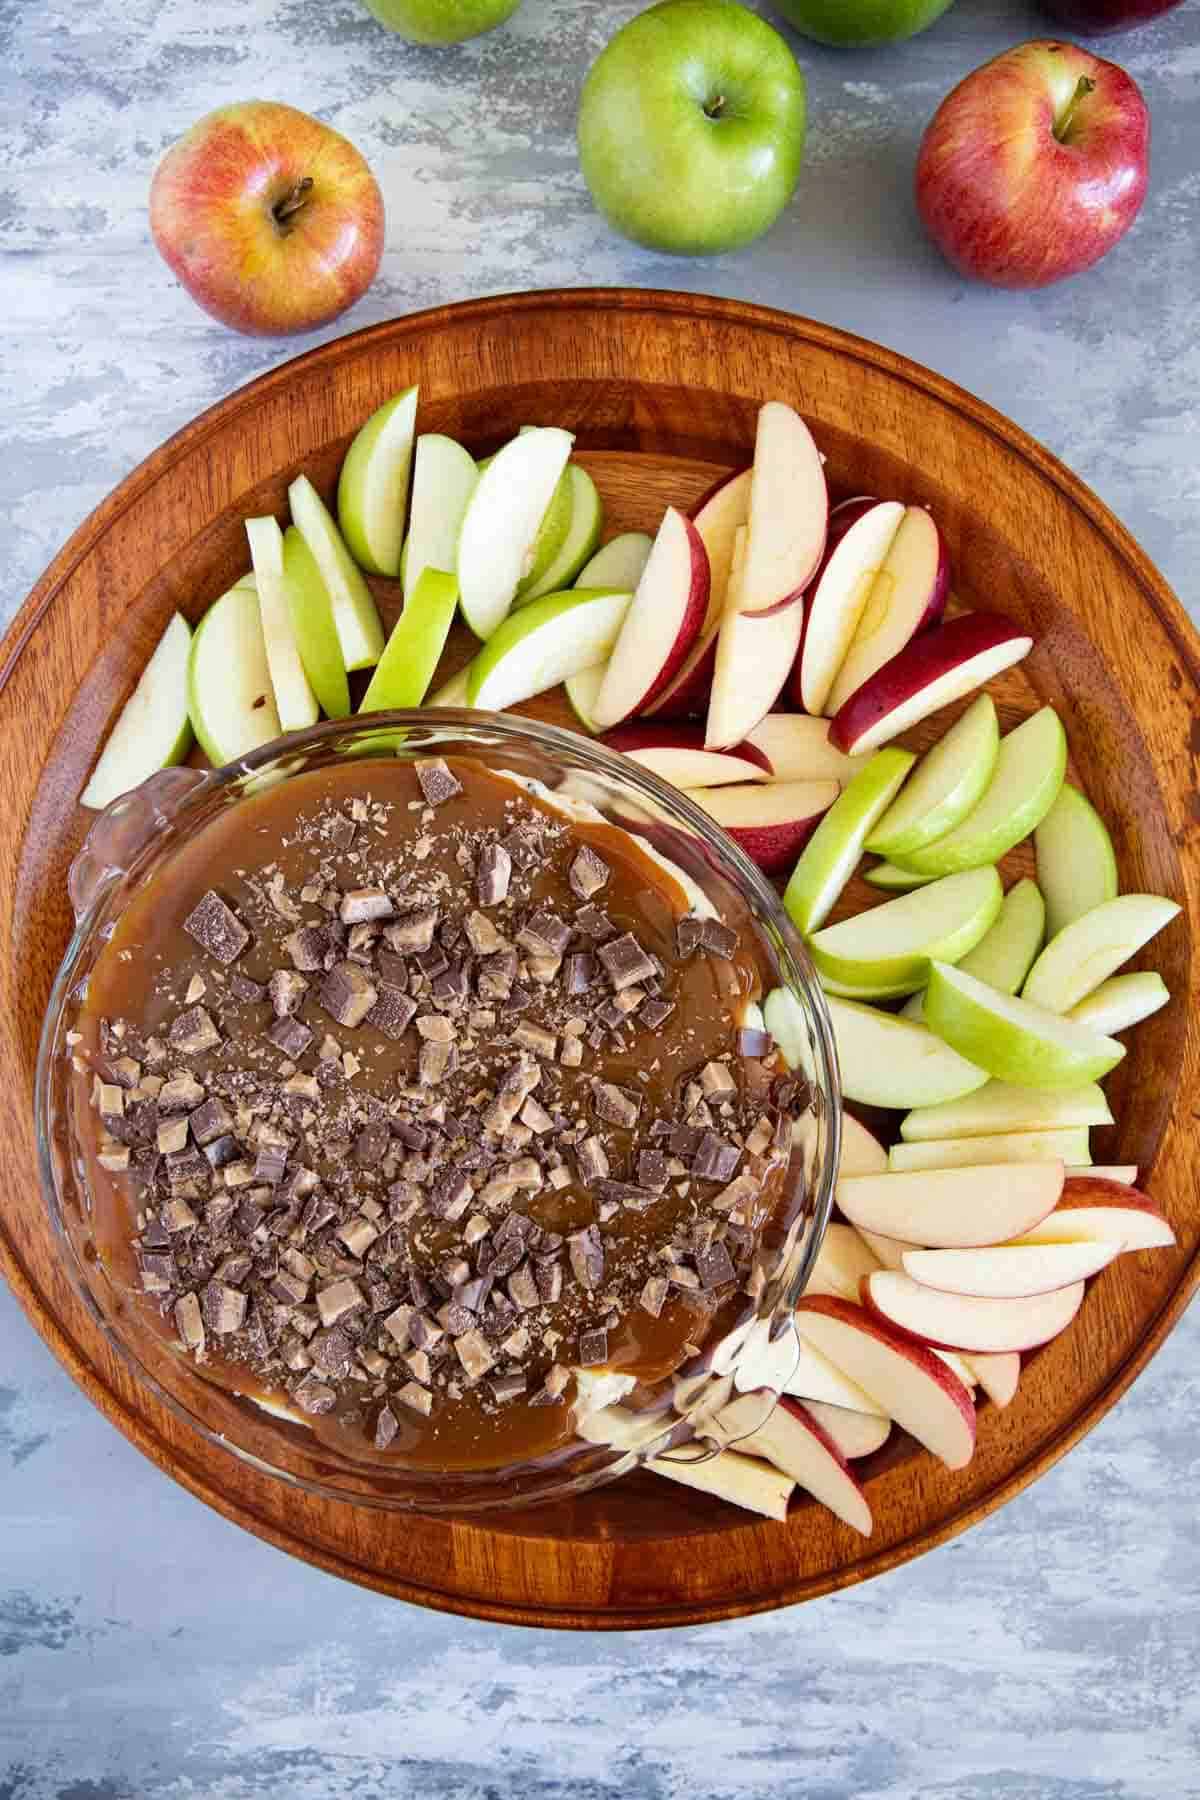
x: 452, y: 1195
x: 536, y: 1038
x: 342, y: 831
x: 329, y: 1351
x: 308, y: 947
x: 718, y: 938
x: 358, y: 1234
x: 535, y: 1116
x: 396, y: 1325
x: 594, y: 922
x: 188, y: 1321
x: 753, y: 1043
x: 549, y: 1277
x: 223, y: 1307
x: 291, y: 1036
x: 286, y: 989
x: 412, y: 934
x: 740, y: 1193
x: 652, y: 1171
x: 571, y: 1054
x: 586, y: 1253
x: 438, y: 784
x: 114, y: 1157
x: 434, y: 1062
x: 497, y: 974
x: 593, y: 1347
x: 714, y: 1266
x: 718, y: 1081
x: 507, y: 1387
x: 613, y: 1105
x: 554, y: 1387
x: 313, y: 1396
x: 391, y: 971
x: 210, y: 1121
x: 386, y: 1422
x: 524, y: 844
x: 337, y: 1299
x: 482, y: 935
x: 392, y: 1012
x: 416, y: 1398
x: 626, y: 1193
x: 625, y: 961
x: 714, y: 1159
x: 689, y: 935
x: 522, y: 1287
x: 181, y: 1093
x: 425, y: 1333
x: 759, y: 1140
x: 172, y: 1134
x: 184, y: 1166
x: 474, y: 1353
x: 217, y: 928
x: 193, y: 1032
x: 177, y: 1216
x: 362, y: 905
x: 653, y: 1296
x: 371, y: 1143
x: 684, y: 1277
x: 347, y: 994
x: 588, y: 873
x: 579, y: 972
x: 544, y: 933
x: 493, y: 872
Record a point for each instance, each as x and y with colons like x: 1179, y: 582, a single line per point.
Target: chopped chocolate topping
x: 754, y: 1043
x: 652, y: 1171
x: 223, y: 1307
x: 347, y: 994
x: 242, y: 988
x: 614, y: 1105
x: 188, y: 1321
x: 392, y: 1012
x: 689, y: 935
x: 586, y: 1252
x: 313, y: 1396
x: 217, y: 928
x: 437, y: 782
x: 593, y: 1347
x: 718, y: 938
x: 291, y: 1036
x: 588, y: 872
x: 474, y: 1353
x: 653, y: 1296
x: 287, y: 990
x: 714, y: 1158
x: 493, y: 873
x: 413, y: 933
x: 308, y: 947
x: 482, y: 935
x: 591, y: 1160
x: 361, y: 905
x: 544, y: 933
x: 718, y: 1081
x: 386, y: 1422
x: 371, y: 1143
x: 714, y: 1266
x: 193, y: 1032
x: 337, y: 1299
x: 625, y: 962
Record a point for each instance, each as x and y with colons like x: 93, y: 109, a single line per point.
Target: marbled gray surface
x: 150, y: 1651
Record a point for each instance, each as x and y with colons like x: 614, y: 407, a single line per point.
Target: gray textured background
x: 148, y: 1650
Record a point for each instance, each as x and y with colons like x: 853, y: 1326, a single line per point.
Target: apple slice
x: 934, y: 669
x: 792, y: 1440
x: 1094, y: 1209
x: 892, y: 945
x: 789, y: 512
x: 581, y: 690
x: 230, y: 699
x: 501, y: 521
x: 998, y: 1374
x: 152, y: 730
x: 798, y: 749
x: 999, y: 1107
x: 908, y: 1381
x: 862, y: 1154
x: 748, y: 673
x: 1008, y: 1271
x: 833, y: 854
x: 584, y: 523
x: 945, y: 786
x: 1123, y: 1173
x: 966, y: 1323
x: 413, y: 651
x: 677, y: 754
x: 1004, y: 956
x: 360, y: 633
x: 1068, y: 1146
x: 373, y: 487
x: 1086, y: 952
x: 311, y: 613
x: 842, y: 1261
x: 662, y: 623
x: 893, y: 1062
x: 771, y: 824
x: 717, y: 519
x: 893, y: 879
x: 743, y: 1481
x: 948, y: 1209
x: 454, y: 691
x: 543, y: 643
x: 1026, y: 779
x: 444, y: 478
x: 1013, y: 1039
x: 1076, y: 865
x: 295, y: 702
x: 838, y: 599
x: 1122, y: 1001
x: 908, y: 596
x: 619, y: 563
x: 791, y: 1366
x: 853, y: 1434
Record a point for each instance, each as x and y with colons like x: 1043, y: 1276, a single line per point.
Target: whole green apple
x: 441, y: 21
x: 691, y: 127
x: 858, y: 24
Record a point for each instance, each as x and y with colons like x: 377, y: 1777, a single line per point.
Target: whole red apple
x: 1096, y: 18
x: 1035, y: 165
x: 272, y: 221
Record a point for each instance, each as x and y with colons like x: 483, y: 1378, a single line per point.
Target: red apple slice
x: 772, y: 823
x: 908, y: 597
x: 717, y: 518
x: 997, y: 1375
x: 741, y: 1480
x: 748, y: 673
x: 844, y: 1258
x: 962, y: 1322
x: 1125, y: 1174
x: 799, y: 1447
x: 838, y: 600
x: 1008, y: 1271
x: 1099, y: 1211
x: 798, y: 749
x: 854, y: 1434
x: 663, y: 622
x: 906, y: 1378
x: 789, y: 512
x: 940, y: 666
x: 677, y: 754
x: 948, y: 1209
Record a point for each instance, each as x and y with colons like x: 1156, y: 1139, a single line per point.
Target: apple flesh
x: 1096, y: 1209
x: 619, y: 563
x: 1000, y: 1107
x: 788, y: 1366
x: 373, y: 485
x: 890, y: 946
x: 789, y: 512
x: 355, y: 617
x: 791, y: 1439
x: 834, y: 852
x: 717, y: 518
x: 743, y: 1481
x: 152, y: 730
x: 662, y: 624
x: 311, y: 612
x: 676, y: 753
x: 1122, y: 1001
x: 966, y: 1323
x: 1090, y: 948
x: 444, y: 478
x: 798, y: 749
x: 501, y: 521
x: 853, y: 1434
x: 842, y: 1261
x: 861, y: 1153
x: 295, y: 702
x: 1068, y: 1146
x: 412, y: 653
x: 947, y: 1209
x: 1035, y: 165
x: 908, y: 596
x: 581, y: 690
x: 1004, y: 956
x: 584, y: 523
x: 1008, y: 1271
x: 835, y: 606
x: 544, y: 643
x: 1011, y: 1038
x: 230, y: 699
x: 1076, y: 864
x: 754, y: 652
x: 771, y: 823
x: 271, y: 220
x: 933, y: 670
x: 893, y: 1062
x: 946, y: 785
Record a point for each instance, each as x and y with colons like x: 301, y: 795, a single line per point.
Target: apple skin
x: 662, y: 168
x: 861, y: 24
x: 1003, y: 198
x: 218, y: 216
x: 643, y: 734
x: 1097, y: 18
x: 441, y: 21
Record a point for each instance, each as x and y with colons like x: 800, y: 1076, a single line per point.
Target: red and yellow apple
x: 272, y: 221
x: 1035, y: 165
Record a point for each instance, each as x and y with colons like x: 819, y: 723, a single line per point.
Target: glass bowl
x: 129, y: 845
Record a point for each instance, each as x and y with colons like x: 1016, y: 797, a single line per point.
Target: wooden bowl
x: 661, y: 390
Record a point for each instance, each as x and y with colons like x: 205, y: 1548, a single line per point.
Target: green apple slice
x: 153, y: 730
x: 551, y: 535
x: 1000, y: 1107
x: 501, y: 523
x: 832, y: 853
x: 360, y: 633
x: 1076, y: 866
x: 890, y: 1061
x: 893, y: 879
x: 295, y: 702
x: 444, y: 478
x: 790, y: 1026
x: 406, y: 668
x: 1123, y: 1001
x: 373, y: 486
x: 1013, y: 1039
x: 866, y: 990
x: 1004, y: 956
x: 1087, y: 951
x: 619, y: 563
x: 454, y: 691
x: 892, y: 945
x: 230, y: 698
x: 311, y: 612
x: 582, y: 690
x: 543, y: 644
x: 1068, y: 1145
x: 582, y: 536
x: 1024, y: 786
x: 945, y: 786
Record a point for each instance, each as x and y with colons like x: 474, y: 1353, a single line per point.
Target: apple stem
x: 292, y: 202
x: 714, y: 108
x: 1062, y: 125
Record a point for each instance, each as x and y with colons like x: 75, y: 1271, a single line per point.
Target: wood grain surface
x: 662, y: 392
